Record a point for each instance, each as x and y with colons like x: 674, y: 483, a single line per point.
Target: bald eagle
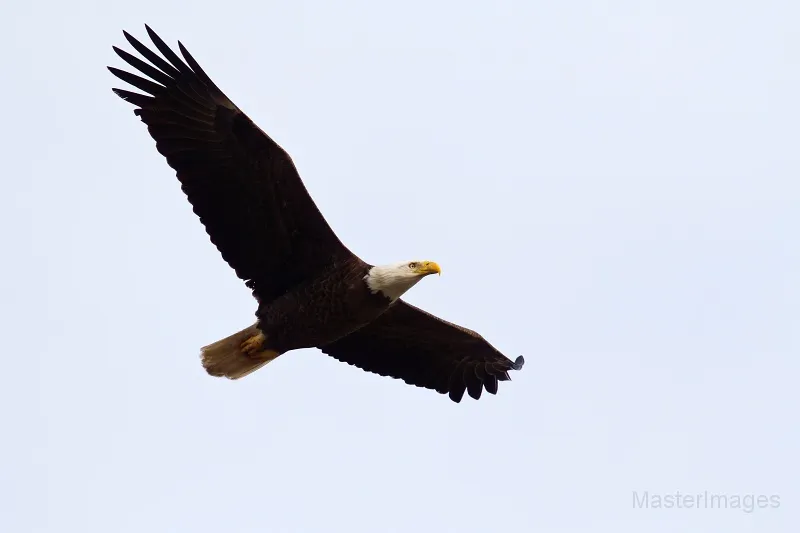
x: 311, y: 290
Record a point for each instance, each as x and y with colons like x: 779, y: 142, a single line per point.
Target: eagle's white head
x: 395, y: 279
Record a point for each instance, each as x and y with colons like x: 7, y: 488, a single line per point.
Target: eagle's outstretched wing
x: 242, y: 185
x: 410, y: 344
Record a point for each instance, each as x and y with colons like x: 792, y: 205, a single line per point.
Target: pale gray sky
x: 611, y: 190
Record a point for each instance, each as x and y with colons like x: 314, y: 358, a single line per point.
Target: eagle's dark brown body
x: 310, y: 287
x: 323, y: 310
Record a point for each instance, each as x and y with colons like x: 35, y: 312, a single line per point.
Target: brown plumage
x: 311, y: 290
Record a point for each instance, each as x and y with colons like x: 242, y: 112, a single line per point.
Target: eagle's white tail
x: 236, y: 356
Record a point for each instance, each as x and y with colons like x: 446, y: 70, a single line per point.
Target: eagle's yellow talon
x: 254, y: 344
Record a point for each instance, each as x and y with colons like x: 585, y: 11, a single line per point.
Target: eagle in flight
x: 311, y: 290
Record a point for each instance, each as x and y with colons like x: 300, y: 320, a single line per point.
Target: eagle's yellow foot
x: 253, y: 345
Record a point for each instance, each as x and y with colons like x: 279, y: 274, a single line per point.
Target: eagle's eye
x: 412, y: 265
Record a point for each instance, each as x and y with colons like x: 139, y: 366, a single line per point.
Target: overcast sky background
x: 611, y: 189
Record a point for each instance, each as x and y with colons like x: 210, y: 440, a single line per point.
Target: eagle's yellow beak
x: 428, y: 267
